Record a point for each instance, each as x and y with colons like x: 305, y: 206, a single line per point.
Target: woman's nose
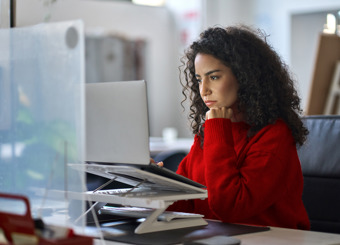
x: 204, y: 88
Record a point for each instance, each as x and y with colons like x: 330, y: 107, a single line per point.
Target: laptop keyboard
x: 137, y: 192
x: 127, y: 192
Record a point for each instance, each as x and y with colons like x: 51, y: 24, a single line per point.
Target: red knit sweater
x: 256, y: 181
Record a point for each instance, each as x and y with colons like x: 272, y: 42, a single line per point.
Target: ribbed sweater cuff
x: 218, y: 130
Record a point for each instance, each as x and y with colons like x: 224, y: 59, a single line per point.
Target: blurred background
x: 129, y: 40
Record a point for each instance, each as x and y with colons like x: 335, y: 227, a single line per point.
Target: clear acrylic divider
x: 42, y: 119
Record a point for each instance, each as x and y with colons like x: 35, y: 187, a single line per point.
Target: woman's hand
x: 221, y: 112
x: 160, y: 164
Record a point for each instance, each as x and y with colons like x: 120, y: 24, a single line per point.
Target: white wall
x: 5, y: 17
x: 155, y: 25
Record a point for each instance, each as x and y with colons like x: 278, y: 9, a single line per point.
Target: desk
x: 276, y: 236
x: 281, y: 236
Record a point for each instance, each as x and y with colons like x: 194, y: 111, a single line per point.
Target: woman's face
x: 217, y: 84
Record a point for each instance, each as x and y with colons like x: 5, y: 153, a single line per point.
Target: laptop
x: 117, y: 139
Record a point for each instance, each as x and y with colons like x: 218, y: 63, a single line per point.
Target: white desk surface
x: 277, y: 236
x: 282, y: 236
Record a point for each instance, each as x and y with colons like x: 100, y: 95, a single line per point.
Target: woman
x: 245, y: 116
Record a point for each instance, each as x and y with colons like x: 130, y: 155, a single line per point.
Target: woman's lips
x: 209, y: 102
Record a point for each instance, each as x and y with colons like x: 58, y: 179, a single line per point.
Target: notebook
x: 117, y: 139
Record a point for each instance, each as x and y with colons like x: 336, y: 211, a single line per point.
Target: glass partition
x: 42, y: 118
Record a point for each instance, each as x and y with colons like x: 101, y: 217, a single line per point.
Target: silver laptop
x: 117, y: 138
x: 117, y: 148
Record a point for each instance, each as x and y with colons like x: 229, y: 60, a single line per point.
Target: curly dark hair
x: 266, y: 88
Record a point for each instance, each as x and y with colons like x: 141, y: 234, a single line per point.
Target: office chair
x: 320, y: 162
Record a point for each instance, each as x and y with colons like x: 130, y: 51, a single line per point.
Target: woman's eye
x: 214, y: 77
x: 198, y: 80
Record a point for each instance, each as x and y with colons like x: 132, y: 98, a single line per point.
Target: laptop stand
x: 151, y: 223
x: 167, y: 191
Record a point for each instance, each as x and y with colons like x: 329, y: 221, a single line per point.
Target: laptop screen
x: 117, y: 129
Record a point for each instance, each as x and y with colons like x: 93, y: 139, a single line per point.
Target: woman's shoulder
x: 277, y: 130
x: 273, y: 138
